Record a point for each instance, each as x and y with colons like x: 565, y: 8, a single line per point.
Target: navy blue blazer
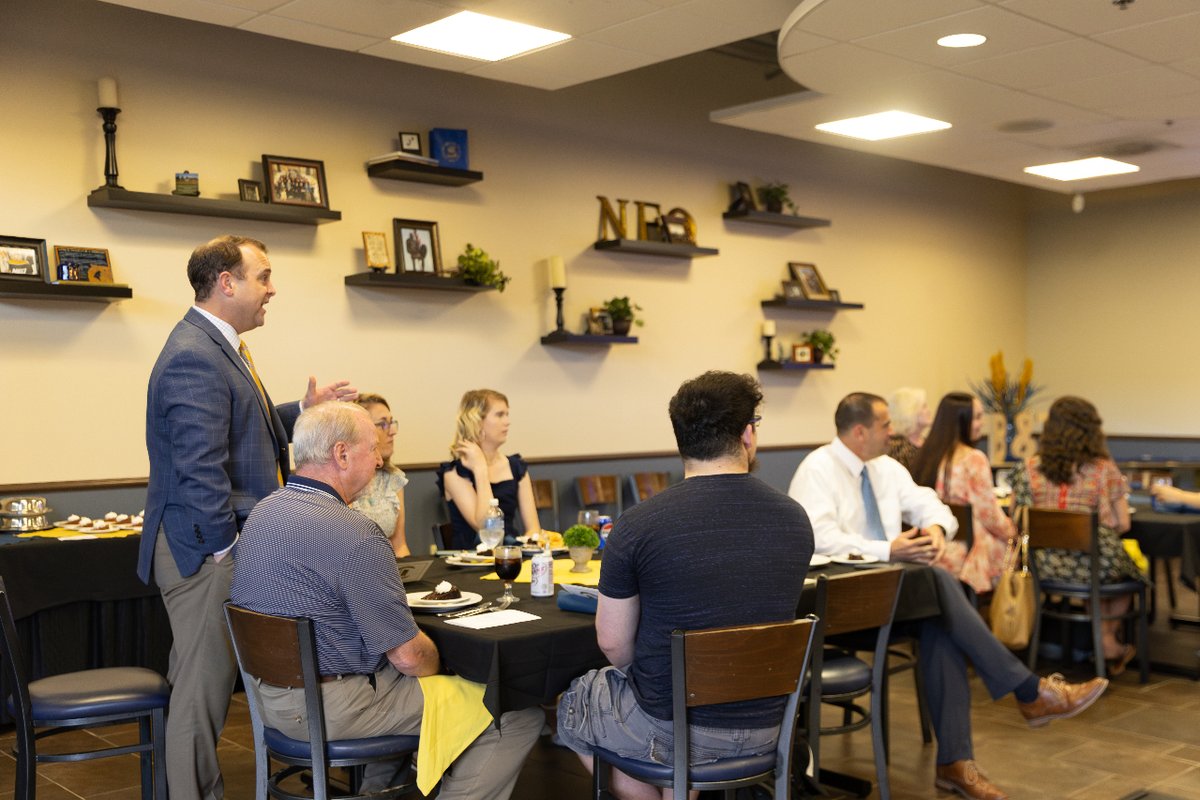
x: 215, y: 448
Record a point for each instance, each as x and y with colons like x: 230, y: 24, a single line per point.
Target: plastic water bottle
x: 492, y: 532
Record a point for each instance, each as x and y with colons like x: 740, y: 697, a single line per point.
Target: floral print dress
x: 970, y: 482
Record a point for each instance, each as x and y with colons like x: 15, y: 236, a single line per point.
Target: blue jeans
x: 600, y: 710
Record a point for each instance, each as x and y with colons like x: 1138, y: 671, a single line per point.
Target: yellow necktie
x: 244, y: 351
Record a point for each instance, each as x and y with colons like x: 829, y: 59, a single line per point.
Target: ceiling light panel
x: 957, y: 40
x: 1082, y: 169
x: 884, y: 125
x: 480, y: 37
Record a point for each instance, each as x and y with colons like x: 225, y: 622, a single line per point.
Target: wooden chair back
x: 725, y: 665
x: 859, y: 601
x: 268, y: 647
x: 545, y: 497
x: 442, y: 532
x: 593, y: 490
x: 966, y: 523
x: 1068, y: 530
x: 645, y: 485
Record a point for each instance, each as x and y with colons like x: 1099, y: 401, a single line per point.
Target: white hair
x: 905, y: 406
x: 322, y: 426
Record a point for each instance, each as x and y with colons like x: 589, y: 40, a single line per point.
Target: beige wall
x: 1113, y: 297
x: 937, y: 257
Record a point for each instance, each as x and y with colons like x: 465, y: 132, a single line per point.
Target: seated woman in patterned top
x: 383, y: 499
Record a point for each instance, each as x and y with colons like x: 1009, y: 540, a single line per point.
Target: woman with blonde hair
x: 383, y: 499
x: 910, y: 423
x: 480, y: 472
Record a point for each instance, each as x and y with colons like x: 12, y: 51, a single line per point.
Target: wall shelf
x: 790, y: 366
x: 400, y: 170
x: 649, y: 248
x: 413, y: 280
x: 37, y: 290
x: 809, y: 305
x: 109, y: 197
x: 771, y: 218
x: 567, y: 338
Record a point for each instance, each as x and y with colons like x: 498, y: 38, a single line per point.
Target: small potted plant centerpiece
x: 581, y: 542
x: 822, y: 345
x: 621, y: 310
x: 775, y: 196
x: 475, y: 266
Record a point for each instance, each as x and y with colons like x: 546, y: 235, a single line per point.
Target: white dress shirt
x: 828, y: 484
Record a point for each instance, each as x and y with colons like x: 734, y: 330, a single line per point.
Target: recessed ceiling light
x: 1082, y: 168
x: 480, y: 36
x: 962, y: 40
x: 884, y: 125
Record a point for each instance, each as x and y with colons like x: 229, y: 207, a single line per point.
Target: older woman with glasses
x: 383, y: 499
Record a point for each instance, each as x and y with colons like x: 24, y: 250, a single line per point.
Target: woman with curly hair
x: 1074, y: 471
x: 959, y: 473
x: 480, y: 472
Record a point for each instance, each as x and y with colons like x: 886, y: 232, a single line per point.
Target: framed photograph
x: 250, y: 191
x: 376, y: 249
x: 295, y: 181
x: 743, y: 198
x: 792, y: 290
x: 410, y: 143
x: 599, y: 322
x: 810, y: 281
x: 22, y: 258
x: 417, y: 246
x: 802, y: 353
x: 82, y: 265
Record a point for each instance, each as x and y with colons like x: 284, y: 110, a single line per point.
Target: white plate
x: 417, y: 602
x: 855, y: 562
x: 819, y: 560
x: 487, y: 562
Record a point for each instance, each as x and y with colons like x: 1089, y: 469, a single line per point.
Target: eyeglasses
x: 388, y: 425
x: 755, y: 420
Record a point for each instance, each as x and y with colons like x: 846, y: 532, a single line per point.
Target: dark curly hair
x: 1071, y: 438
x: 710, y: 412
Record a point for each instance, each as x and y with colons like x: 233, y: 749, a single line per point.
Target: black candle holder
x: 558, y: 300
x: 767, y: 356
x: 110, y: 145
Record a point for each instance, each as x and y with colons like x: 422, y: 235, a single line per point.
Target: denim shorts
x: 600, y: 710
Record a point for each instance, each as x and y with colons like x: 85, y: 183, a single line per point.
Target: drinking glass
x: 591, y: 518
x: 508, y: 567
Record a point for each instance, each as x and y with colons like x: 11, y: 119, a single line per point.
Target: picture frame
x: 22, y: 258
x: 418, y: 249
x: 599, y: 322
x: 679, y: 226
x: 811, y: 283
x: 250, y: 191
x: 835, y: 295
x: 295, y: 181
x: 410, y: 142
x: 792, y: 290
x: 375, y: 248
x: 81, y: 265
x: 743, y: 198
x: 802, y: 353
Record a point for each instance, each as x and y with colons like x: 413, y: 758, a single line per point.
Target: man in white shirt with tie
x: 856, y: 498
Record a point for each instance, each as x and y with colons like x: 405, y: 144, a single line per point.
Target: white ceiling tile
x: 307, y: 33
x: 848, y: 68
x: 395, y: 51
x: 197, y: 10
x: 566, y: 64
x: 667, y: 34
x: 1160, y: 42
x: 1089, y: 17
x: 1040, y: 66
x: 1104, y: 92
x: 381, y: 19
x: 846, y: 20
x: 576, y: 17
x: 797, y: 41
x: 1159, y: 109
x: 760, y: 15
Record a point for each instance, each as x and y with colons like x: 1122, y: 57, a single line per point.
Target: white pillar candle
x: 108, y: 93
x: 558, y: 273
x: 768, y: 327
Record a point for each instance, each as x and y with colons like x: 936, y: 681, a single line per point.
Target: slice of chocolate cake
x: 444, y: 591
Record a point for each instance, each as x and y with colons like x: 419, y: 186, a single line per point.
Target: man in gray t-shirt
x: 722, y: 548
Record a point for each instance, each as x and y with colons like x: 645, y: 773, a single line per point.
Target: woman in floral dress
x: 383, y: 499
x: 960, y: 473
x: 1073, y: 471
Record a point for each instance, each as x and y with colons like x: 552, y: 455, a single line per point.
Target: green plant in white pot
x: 581, y: 542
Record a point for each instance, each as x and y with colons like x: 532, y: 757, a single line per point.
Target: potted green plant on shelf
x: 775, y: 196
x: 621, y: 310
x: 581, y: 541
x: 822, y: 343
x: 475, y: 266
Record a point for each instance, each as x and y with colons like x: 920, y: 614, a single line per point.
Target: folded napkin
x: 453, y: 717
x: 562, y: 573
x: 584, y: 604
x: 66, y: 535
x: 493, y: 619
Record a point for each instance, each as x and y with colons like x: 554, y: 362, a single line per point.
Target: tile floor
x: 1136, y: 736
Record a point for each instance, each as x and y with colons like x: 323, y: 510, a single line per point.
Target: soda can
x: 541, y: 577
x: 606, y: 523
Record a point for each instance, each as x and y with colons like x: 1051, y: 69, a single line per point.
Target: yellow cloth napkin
x: 63, y: 533
x: 453, y: 717
x: 562, y: 573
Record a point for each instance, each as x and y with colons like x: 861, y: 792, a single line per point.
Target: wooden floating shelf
x: 809, y: 305
x: 771, y: 218
x: 789, y: 366
x: 108, y: 197
x: 413, y: 280
x: 648, y: 248
x: 564, y: 337
x: 401, y: 170
x: 37, y: 290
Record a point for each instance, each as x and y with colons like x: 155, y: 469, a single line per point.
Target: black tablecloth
x: 1165, y: 535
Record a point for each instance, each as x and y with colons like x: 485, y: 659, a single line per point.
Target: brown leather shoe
x: 965, y: 778
x: 1058, y: 699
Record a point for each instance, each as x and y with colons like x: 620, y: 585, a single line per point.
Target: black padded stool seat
x: 727, y: 769
x: 844, y: 674
x: 113, y: 691
x: 380, y: 747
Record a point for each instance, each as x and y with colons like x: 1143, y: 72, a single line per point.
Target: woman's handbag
x: 1013, y: 602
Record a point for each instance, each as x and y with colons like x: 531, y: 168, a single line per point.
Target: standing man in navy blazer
x: 217, y: 446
